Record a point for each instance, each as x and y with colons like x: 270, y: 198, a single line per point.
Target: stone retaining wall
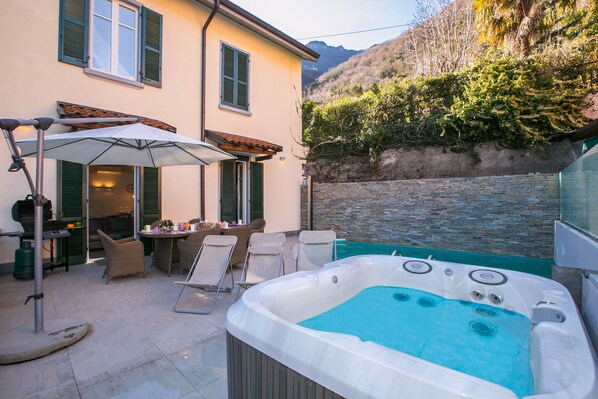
x: 437, y: 163
x: 506, y: 215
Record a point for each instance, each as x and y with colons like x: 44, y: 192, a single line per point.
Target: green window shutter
x: 151, y: 47
x: 73, y: 31
x: 71, y: 177
x: 150, y: 205
x: 227, y: 191
x: 242, y: 72
x: 228, y: 76
x: 256, y: 191
x: 235, y: 76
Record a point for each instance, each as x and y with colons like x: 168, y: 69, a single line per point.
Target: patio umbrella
x: 136, y: 145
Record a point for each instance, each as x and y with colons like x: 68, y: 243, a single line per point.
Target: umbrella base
x: 21, y: 344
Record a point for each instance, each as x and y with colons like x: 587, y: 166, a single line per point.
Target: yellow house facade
x: 72, y: 58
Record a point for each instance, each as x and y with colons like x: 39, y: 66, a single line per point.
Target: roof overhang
x: 262, y: 28
x: 242, y: 144
x: 70, y: 110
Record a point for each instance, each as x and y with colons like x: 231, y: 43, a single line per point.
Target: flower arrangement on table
x: 166, y: 224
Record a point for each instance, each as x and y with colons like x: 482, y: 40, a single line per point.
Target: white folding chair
x: 315, y: 248
x: 264, y: 259
x: 209, y: 269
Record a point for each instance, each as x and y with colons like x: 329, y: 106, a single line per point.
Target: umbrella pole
x: 136, y: 205
x: 38, y: 198
x: 8, y: 125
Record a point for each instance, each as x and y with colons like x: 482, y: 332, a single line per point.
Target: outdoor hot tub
x: 280, y: 345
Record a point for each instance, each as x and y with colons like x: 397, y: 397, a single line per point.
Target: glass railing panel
x: 579, y: 193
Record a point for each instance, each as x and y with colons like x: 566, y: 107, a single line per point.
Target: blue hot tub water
x: 480, y: 340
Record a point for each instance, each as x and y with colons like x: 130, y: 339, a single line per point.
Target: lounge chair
x: 124, y: 256
x: 242, y: 233
x: 209, y: 269
x: 264, y: 259
x: 315, y: 248
x: 189, y: 247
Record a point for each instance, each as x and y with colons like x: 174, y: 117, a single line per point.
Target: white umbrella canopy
x: 135, y: 144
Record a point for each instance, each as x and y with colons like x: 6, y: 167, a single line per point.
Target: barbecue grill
x: 23, y: 211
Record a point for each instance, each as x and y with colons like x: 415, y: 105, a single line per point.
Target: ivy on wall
x: 518, y: 103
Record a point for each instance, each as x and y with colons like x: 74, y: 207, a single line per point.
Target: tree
x: 444, y: 39
x: 518, y: 25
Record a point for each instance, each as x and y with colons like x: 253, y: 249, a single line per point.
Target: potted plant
x: 166, y: 224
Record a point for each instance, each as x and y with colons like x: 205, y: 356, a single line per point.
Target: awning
x: 233, y: 142
x: 70, y: 110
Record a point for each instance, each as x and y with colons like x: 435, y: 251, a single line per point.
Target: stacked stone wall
x: 505, y: 215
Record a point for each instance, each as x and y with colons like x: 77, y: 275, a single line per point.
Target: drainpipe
x: 202, y: 187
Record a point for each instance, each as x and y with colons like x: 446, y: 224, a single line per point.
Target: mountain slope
x: 360, y: 72
x: 329, y: 57
x: 443, y: 40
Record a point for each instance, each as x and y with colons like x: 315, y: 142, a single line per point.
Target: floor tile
x: 215, y: 390
x: 106, y: 357
x: 202, y: 363
x: 158, y: 379
x: 48, y: 377
x: 190, y: 330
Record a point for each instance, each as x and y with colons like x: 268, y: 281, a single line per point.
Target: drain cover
x: 488, y: 277
x: 417, y: 267
x: 482, y: 328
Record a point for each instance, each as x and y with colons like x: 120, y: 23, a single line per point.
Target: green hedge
x: 518, y: 103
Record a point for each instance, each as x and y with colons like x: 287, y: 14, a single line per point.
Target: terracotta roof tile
x: 242, y: 142
x: 70, y: 110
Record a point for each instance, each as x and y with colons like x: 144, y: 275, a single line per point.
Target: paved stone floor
x: 137, y: 347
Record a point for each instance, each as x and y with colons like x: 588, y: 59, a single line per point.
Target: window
x: 115, y: 38
x: 235, y: 76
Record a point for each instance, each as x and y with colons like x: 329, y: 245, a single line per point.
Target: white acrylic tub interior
x: 265, y: 318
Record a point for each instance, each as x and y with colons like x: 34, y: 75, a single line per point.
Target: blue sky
x: 306, y: 18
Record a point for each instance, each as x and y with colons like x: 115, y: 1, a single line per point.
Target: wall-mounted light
x: 102, y: 187
x: 282, y: 159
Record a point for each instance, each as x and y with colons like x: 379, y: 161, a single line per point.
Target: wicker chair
x: 257, y: 225
x: 124, y: 256
x: 242, y: 233
x: 189, y: 247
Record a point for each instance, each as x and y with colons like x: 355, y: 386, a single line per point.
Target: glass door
x: 111, y: 204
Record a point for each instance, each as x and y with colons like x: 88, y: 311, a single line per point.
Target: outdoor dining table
x: 166, y: 252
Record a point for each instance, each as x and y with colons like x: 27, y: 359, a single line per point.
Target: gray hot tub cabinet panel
x: 254, y: 375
